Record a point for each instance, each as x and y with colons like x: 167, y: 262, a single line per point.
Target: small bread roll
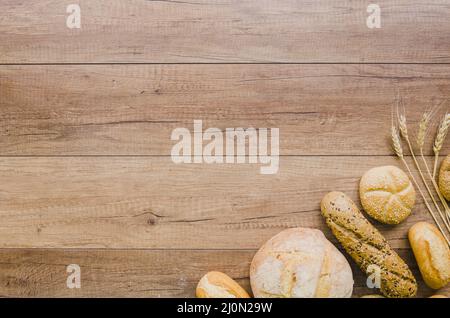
x: 387, y: 194
x: 438, y: 296
x: 432, y: 254
x: 219, y: 285
x: 372, y: 296
x: 444, y: 178
x: 300, y: 263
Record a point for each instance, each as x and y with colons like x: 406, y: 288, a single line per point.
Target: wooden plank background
x: 211, y: 31
x: 141, y: 273
x: 132, y: 109
x: 86, y: 117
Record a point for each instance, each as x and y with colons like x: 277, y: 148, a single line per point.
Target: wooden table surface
x: 86, y: 116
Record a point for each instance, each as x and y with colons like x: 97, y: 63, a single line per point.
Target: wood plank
x: 137, y: 273
x: 132, y: 109
x: 217, y: 31
x: 150, y: 202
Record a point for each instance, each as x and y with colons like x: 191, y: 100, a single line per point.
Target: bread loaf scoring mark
x: 289, y: 276
x: 323, y: 285
x: 432, y: 264
x: 396, y: 194
x: 266, y: 294
x: 216, y: 290
x: 352, y: 221
x: 354, y: 231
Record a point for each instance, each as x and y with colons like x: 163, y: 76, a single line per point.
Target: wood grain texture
x: 149, y: 202
x: 85, y: 172
x: 138, y: 273
x: 217, y: 31
x: 132, y: 109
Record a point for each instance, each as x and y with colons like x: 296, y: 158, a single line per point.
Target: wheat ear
x: 404, y: 132
x: 423, y: 128
x: 397, y: 146
x: 439, y: 140
x: 421, y: 135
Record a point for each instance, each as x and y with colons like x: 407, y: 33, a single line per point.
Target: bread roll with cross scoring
x: 387, y: 194
x: 367, y: 246
x: 300, y: 263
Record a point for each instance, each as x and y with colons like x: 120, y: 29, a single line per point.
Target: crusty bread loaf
x: 219, y: 285
x: 432, y: 254
x: 444, y: 178
x: 387, y: 194
x: 367, y: 246
x: 300, y: 263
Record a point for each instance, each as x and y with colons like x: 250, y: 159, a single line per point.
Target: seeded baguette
x: 367, y: 246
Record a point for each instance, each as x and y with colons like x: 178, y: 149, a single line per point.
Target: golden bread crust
x: 300, y: 263
x: 219, y: 285
x: 432, y: 254
x: 387, y: 194
x: 366, y: 245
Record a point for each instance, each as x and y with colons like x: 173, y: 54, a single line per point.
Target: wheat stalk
x: 423, y: 128
x: 397, y: 146
x: 404, y: 132
x: 421, y: 135
x: 439, y: 140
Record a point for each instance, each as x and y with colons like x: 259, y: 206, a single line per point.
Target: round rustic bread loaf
x: 300, y: 263
x: 387, y: 194
x: 444, y: 178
